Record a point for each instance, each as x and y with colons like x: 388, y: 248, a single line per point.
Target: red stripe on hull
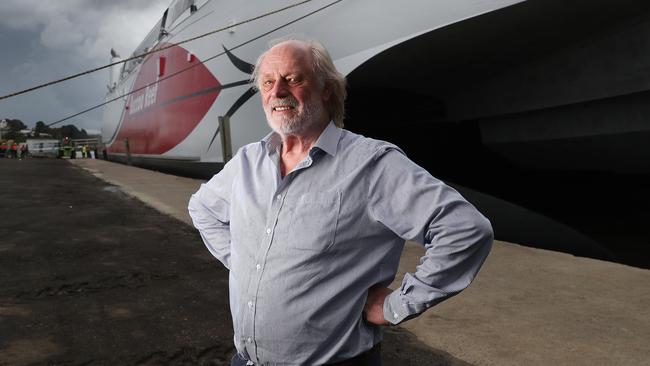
x: 161, y: 116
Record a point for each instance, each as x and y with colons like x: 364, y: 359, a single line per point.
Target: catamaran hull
x: 178, y: 94
x: 547, y: 87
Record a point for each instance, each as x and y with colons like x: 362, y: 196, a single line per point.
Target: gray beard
x: 297, y: 124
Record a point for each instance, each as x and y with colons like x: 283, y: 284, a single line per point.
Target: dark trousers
x: 372, y: 357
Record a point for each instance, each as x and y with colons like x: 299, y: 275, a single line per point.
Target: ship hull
x: 176, y: 96
x: 541, y: 106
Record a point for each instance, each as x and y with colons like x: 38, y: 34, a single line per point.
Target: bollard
x: 128, y: 151
x: 226, y: 145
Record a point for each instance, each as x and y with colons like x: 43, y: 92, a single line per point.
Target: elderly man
x: 311, y: 222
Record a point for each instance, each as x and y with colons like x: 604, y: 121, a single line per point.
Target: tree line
x: 41, y: 130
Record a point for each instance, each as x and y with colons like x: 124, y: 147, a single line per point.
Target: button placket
x: 273, y: 213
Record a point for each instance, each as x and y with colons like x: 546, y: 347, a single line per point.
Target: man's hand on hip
x: 374, y: 308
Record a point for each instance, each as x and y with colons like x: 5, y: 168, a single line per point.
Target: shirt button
x: 250, y: 304
x: 268, y: 231
x: 279, y: 197
x: 249, y: 340
x: 395, y: 315
x: 258, y: 267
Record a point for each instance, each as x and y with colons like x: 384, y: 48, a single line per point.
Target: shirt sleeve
x: 416, y: 206
x: 209, y: 209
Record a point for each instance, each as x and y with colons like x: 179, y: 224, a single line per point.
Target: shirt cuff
x: 394, y: 309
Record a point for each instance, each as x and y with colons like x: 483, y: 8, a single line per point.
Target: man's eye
x: 267, y: 84
x: 292, y: 80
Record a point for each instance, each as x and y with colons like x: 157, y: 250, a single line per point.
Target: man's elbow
x: 193, y: 208
x: 485, y: 227
x: 484, y: 232
x: 191, y: 204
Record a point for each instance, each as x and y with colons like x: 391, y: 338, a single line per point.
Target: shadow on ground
x: 401, y: 348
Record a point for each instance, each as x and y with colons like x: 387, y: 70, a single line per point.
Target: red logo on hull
x: 162, y: 115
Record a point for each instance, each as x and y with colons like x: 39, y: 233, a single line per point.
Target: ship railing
x: 145, y: 46
x: 177, y: 9
x: 88, y: 141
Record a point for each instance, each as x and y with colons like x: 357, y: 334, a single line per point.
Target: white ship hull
x: 541, y: 103
x: 176, y: 121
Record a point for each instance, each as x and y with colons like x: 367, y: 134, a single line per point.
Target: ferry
x: 472, y: 90
x: 169, y: 103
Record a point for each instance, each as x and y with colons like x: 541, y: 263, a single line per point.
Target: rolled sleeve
x: 457, y: 238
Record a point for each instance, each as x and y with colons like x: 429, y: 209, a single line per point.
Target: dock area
x: 99, y: 265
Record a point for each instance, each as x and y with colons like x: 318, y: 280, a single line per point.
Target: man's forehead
x: 287, y: 57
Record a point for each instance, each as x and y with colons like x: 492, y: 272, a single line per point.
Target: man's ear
x: 327, y: 92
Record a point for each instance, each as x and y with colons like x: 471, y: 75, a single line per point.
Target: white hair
x: 324, y: 69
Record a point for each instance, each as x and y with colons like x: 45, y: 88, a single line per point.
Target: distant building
x: 43, y: 147
x: 4, y: 126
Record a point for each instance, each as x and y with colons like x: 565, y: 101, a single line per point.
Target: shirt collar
x: 328, y: 140
x: 271, y: 141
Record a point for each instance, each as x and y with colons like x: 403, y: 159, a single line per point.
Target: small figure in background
x: 14, y: 151
x: 23, y: 151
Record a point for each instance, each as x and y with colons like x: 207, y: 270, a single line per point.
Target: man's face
x: 292, y: 98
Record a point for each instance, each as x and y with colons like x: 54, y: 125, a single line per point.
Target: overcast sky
x: 43, y: 40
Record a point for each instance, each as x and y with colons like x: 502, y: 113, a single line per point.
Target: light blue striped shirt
x: 304, y: 249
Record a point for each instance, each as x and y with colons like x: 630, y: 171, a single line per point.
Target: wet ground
x: 92, y: 276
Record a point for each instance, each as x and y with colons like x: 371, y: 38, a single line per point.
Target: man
x: 14, y: 151
x: 311, y: 222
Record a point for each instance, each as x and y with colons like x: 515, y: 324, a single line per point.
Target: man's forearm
x: 449, y: 265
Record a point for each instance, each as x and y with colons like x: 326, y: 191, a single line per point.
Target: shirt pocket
x: 314, y: 221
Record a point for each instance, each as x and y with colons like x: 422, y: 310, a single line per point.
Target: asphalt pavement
x: 91, y: 275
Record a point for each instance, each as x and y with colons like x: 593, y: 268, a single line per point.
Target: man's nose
x: 280, y: 89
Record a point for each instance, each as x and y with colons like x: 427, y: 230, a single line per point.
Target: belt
x: 362, y: 359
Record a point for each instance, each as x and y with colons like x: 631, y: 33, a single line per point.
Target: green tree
x: 40, y: 128
x: 13, y: 130
x: 15, y: 125
x: 70, y: 131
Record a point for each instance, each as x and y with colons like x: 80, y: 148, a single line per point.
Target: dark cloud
x: 45, y: 40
